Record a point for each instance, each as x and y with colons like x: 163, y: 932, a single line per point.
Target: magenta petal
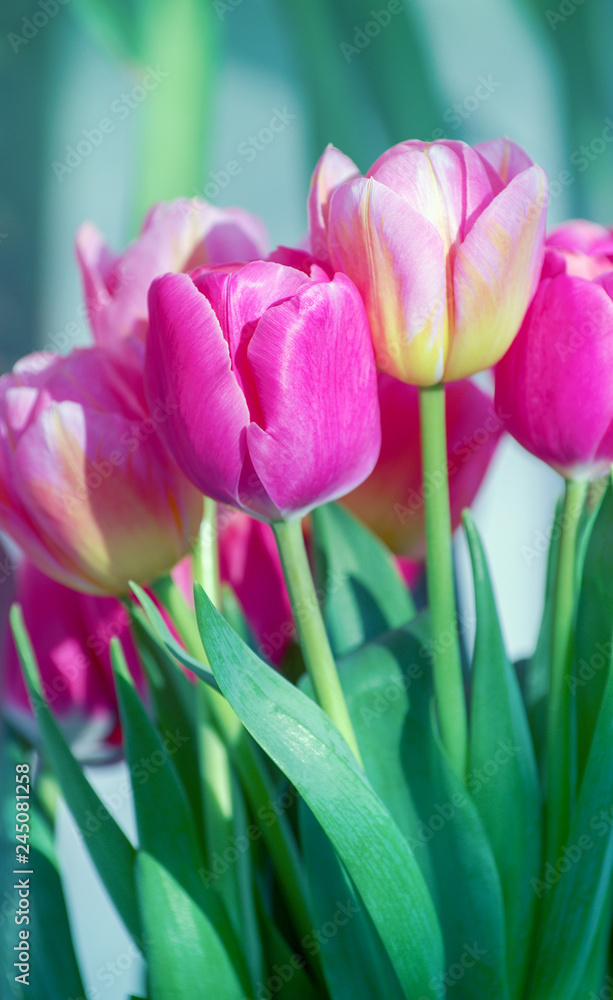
x: 188, y: 367
x: 551, y: 380
x: 321, y: 437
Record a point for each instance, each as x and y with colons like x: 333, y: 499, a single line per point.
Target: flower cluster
x: 274, y: 383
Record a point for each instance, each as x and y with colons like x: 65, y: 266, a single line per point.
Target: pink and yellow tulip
x: 445, y: 244
x: 87, y: 490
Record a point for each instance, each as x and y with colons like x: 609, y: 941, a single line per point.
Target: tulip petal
x: 496, y: 272
x: 176, y: 236
x: 548, y: 381
x: 506, y: 157
x: 101, y: 488
x: 333, y: 169
x: 188, y: 367
x: 446, y: 182
x: 96, y: 262
x: 396, y: 259
x: 323, y: 438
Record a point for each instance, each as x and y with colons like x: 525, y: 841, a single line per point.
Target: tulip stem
x: 448, y: 684
x: 206, y: 554
x: 560, y: 761
x: 311, y: 629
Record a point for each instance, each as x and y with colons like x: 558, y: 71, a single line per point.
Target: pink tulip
x: 87, y: 490
x: 176, y: 236
x: 445, y: 244
x: 70, y: 633
x: 272, y: 378
x: 391, y: 500
x: 556, y: 380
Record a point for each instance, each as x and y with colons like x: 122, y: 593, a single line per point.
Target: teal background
x: 230, y: 66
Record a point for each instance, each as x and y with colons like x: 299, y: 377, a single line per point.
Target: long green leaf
x: 109, y: 848
x: 363, y: 593
x: 388, y: 689
x: 184, y: 958
x: 498, y: 717
x: 335, y: 905
x: 593, y: 645
x: 166, y: 828
x: 304, y: 743
x: 172, y: 645
x: 575, y: 888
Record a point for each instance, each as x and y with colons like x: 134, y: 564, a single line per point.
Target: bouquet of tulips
x: 235, y: 512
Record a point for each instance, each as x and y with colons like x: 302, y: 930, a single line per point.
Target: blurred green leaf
x: 363, y: 592
x: 303, y: 742
x: 593, y: 644
x: 575, y: 888
x: 497, y: 716
x: 165, y: 823
x: 109, y: 848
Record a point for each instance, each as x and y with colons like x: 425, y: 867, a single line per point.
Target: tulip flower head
x: 272, y: 377
x: 87, y: 490
x: 556, y: 379
x: 445, y: 244
x: 70, y: 633
x: 176, y: 236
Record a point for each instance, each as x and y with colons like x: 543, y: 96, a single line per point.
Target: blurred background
x: 110, y: 105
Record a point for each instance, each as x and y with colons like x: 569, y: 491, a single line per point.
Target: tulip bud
x: 86, y: 488
x: 445, y: 244
x: 272, y: 378
x: 555, y: 380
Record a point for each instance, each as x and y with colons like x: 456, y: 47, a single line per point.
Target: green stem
x: 560, y: 762
x: 311, y: 629
x: 206, y: 554
x: 448, y: 684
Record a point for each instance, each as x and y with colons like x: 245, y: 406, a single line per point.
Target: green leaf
x: 398, y: 66
x: 55, y: 971
x: 364, y: 594
x: 307, y: 747
x: 336, y: 906
x: 388, y: 688
x: 173, y: 697
x: 179, y: 41
x: 498, y: 718
x: 297, y: 984
x: 184, y: 955
x: 575, y: 888
x: 593, y: 645
x: 109, y: 848
x: 534, y: 673
x: 166, y: 828
x: 167, y: 638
